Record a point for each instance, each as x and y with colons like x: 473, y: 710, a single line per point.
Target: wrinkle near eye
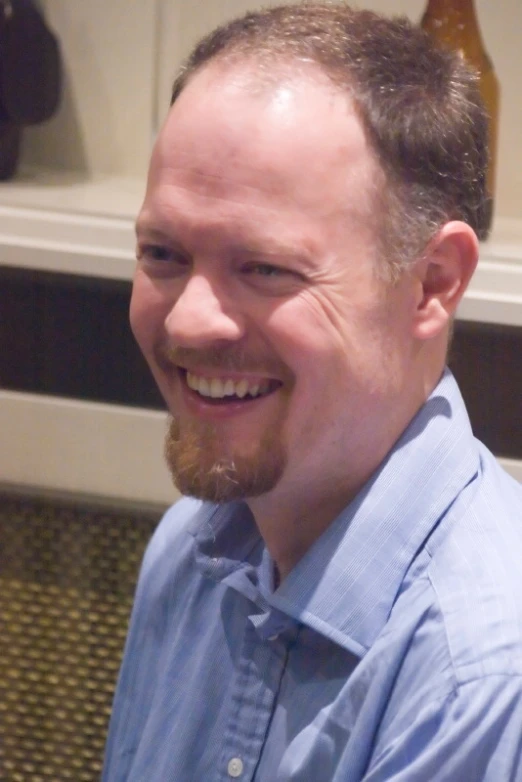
x: 332, y: 305
x: 267, y: 279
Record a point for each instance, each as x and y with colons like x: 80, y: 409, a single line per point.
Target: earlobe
x: 443, y: 276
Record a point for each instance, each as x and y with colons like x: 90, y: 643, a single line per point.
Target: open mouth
x: 217, y: 390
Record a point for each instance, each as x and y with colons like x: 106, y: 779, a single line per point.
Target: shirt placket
x: 260, y: 669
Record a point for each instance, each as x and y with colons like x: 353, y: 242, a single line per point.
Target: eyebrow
x: 145, y: 224
x: 155, y: 233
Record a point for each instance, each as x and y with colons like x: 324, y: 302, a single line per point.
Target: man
x: 340, y: 598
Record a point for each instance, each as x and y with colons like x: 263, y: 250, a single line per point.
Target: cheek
x: 147, y: 313
x: 316, y: 330
x: 339, y: 350
x: 315, y: 345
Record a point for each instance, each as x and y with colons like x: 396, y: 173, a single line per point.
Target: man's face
x: 257, y: 302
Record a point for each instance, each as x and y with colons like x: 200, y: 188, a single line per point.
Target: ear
x: 443, y: 275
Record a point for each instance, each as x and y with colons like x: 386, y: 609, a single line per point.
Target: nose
x: 202, y: 315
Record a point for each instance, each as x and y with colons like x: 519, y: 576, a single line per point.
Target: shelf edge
x: 103, y: 247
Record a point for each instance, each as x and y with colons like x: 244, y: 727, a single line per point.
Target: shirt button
x: 235, y: 767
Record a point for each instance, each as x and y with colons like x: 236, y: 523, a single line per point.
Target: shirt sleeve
x: 473, y: 734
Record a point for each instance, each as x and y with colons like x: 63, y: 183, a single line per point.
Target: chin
x: 199, y: 469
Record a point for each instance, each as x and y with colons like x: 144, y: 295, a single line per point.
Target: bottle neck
x: 455, y: 23
x: 451, y: 7
x: 453, y: 13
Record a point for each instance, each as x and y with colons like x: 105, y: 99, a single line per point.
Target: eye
x: 266, y: 270
x: 270, y: 279
x: 162, y: 259
x: 153, y: 252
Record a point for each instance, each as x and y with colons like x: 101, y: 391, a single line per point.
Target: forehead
x: 295, y: 145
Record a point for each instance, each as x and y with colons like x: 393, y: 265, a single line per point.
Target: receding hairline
x: 261, y: 71
x: 418, y: 104
x: 259, y: 75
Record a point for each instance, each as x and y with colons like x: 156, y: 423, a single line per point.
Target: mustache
x: 231, y: 358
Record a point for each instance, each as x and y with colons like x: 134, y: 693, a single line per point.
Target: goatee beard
x: 201, y: 467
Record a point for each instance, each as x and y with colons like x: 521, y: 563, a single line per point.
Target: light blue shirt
x: 392, y: 651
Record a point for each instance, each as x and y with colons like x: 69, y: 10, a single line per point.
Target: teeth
x: 192, y: 381
x: 216, y: 388
x: 241, y: 388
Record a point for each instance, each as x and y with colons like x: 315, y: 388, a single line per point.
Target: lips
x: 229, y: 389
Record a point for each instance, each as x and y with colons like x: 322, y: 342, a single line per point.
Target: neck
x: 302, y: 506
x: 290, y: 529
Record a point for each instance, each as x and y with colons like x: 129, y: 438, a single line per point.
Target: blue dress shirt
x: 391, y: 652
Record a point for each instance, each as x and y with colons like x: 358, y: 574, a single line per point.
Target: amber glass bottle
x: 454, y: 23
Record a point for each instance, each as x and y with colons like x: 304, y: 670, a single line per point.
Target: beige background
x: 120, y: 56
x: 104, y: 124
x: 501, y: 24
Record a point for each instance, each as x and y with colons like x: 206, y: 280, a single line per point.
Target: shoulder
x: 459, y: 609
x: 455, y: 708
x: 469, y: 733
x: 476, y: 576
x: 169, y: 553
x: 172, y: 530
x: 499, y: 490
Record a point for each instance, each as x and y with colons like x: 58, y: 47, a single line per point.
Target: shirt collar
x: 226, y: 534
x: 345, y: 585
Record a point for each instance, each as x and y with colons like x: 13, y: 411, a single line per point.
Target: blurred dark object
x: 10, y: 140
x: 30, y: 76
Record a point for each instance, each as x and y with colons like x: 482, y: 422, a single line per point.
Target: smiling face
x: 286, y: 362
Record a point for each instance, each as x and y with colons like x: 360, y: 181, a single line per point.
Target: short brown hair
x: 419, y: 104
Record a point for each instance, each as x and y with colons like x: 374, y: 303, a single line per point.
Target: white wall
x: 104, y: 124
x: 120, y: 56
